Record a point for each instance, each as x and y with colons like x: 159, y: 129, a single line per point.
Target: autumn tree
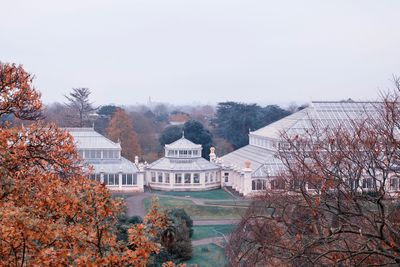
x: 51, y: 214
x: 121, y: 129
x: 147, y: 131
x: 80, y: 106
x: 338, y: 203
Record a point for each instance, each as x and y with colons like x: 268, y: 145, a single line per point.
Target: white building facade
x: 254, y: 168
x: 248, y: 170
x: 108, y: 166
x: 183, y: 169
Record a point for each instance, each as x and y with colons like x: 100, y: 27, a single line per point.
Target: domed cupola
x: 183, y: 148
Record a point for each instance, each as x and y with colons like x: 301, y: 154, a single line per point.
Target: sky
x: 204, y: 51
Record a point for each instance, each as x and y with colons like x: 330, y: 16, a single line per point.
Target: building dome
x: 183, y: 148
x: 183, y: 169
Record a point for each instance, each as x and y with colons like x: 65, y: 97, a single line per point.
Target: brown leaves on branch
x: 51, y: 214
x: 121, y: 129
x: 338, y: 207
x: 17, y: 95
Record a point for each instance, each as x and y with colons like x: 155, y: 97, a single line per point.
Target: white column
x: 140, y: 180
x: 234, y: 180
x: 102, y: 175
x: 247, y: 178
x: 120, y: 178
x: 241, y: 184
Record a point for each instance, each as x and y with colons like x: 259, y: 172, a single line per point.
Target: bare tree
x: 338, y: 203
x: 80, y: 106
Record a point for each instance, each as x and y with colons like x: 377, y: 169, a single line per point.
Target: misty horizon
x: 205, y: 52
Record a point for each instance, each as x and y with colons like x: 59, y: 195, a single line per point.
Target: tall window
x: 226, y: 175
x: 160, y: 177
x: 153, y: 177
x: 368, y: 183
x: 353, y: 183
x: 258, y: 184
x: 278, y: 184
x: 211, y: 177
x: 395, y: 183
x: 111, y: 179
x: 206, y: 179
x: 187, y: 178
x: 196, y: 178
x: 178, y: 178
x: 129, y: 179
x: 166, y: 175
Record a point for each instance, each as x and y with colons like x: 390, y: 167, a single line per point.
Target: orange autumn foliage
x: 121, y: 128
x: 50, y: 213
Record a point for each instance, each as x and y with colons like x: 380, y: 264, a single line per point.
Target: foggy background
x: 205, y: 51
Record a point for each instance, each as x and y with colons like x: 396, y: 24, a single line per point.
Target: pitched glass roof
x: 183, y: 143
x: 190, y: 164
x: 256, y: 155
x: 88, y: 138
x: 113, y: 166
x: 324, y: 114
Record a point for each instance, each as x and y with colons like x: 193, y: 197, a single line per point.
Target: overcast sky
x: 204, y: 51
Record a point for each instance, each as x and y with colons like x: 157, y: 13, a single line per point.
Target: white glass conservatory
x: 104, y: 155
x: 183, y: 169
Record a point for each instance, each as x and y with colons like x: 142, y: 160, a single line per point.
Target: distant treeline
x: 146, y: 129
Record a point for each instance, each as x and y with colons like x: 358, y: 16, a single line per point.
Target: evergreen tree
x: 80, y: 106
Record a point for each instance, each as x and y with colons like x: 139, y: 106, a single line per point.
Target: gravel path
x: 215, y: 222
x: 207, y: 241
x: 135, y: 204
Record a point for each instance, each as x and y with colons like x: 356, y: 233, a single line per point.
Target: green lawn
x: 209, y: 255
x: 233, y: 202
x: 212, y: 194
x: 206, y: 231
x: 198, y: 212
